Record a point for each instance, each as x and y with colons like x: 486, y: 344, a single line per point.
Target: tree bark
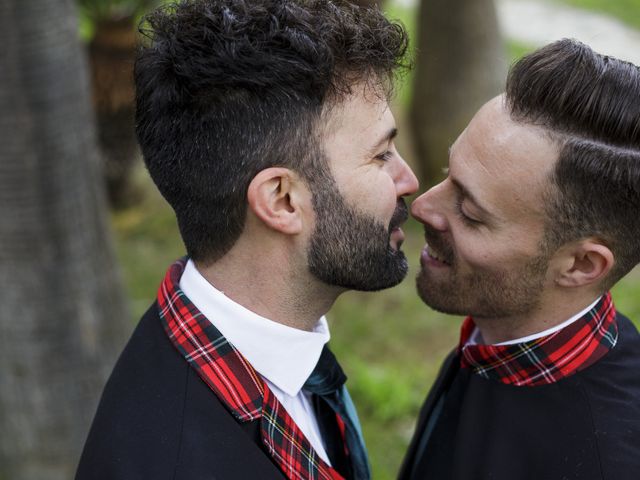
x: 111, y: 57
x: 62, y: 313
x: 460, y: 64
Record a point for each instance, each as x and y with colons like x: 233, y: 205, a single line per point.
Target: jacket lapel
x: 235, y: 382
x: 288, y: 446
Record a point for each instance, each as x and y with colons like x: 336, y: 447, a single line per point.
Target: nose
x: 427, y: 208
x: 405, y: 180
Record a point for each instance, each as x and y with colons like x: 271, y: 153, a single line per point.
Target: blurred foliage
x: 91, y: 12
x: 626, y: 295
x: 407, y: 16
x: 627, y: 11
x: 517, y: 50
x: 97, y: 10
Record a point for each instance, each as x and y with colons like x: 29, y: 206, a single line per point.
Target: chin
x: 439, y: 298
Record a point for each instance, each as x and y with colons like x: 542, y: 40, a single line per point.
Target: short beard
x: 495, y: 293
x: 350, y: 249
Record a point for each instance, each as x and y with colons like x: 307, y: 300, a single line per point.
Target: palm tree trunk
x: 62, y: 313
x: 460, y: 65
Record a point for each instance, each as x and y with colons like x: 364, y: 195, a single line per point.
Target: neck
x: 271, y: 286
x: 548, y: 313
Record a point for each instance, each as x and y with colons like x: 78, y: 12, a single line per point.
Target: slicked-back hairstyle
x: 227, y: 88
x: 590, y: 105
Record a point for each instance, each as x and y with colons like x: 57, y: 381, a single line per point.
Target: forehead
x: 352, y: 122
x: 505, y: 164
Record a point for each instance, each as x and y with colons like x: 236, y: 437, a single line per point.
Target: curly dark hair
x: 590, y: 105
x: 227, y: 88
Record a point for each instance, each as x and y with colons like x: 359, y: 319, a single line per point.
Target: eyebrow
x: 390, y: 135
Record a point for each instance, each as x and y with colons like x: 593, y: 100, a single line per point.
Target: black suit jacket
x: 583, y: 427
x: 158, y: 420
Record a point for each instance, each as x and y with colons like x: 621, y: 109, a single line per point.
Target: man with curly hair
x: 537, y: 220
x: 265, y: 126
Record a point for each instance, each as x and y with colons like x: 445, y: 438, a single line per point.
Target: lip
x: 427, y: 260
x: 397, y: 236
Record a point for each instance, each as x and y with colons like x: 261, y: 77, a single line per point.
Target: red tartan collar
x: 548, y: 359
x: 220, y: 365
x: 235, y: 382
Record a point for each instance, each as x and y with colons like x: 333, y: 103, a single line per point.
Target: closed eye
x: 385, y: 156
x: 468, y: 221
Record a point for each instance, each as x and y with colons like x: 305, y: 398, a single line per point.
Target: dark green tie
x: 330, y: 398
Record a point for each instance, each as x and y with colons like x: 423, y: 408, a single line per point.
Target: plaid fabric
x: 235, y: 382
x: 547, y: 359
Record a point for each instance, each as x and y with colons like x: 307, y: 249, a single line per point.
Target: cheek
x: 490, y: 254
x: 476, y: 250
x: 474, y: 255
x: 374, y: 193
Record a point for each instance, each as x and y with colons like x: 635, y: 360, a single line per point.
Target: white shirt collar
x: 476, y: 336
x: 283, y: 355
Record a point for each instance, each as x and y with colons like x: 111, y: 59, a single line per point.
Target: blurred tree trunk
x: 62, y: 313
x: 460, y: 64
x: 111, y: 57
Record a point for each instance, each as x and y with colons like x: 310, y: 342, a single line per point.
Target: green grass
x: 407, y: 17
x: 627, y: 11
x: 517, y: 50
x: 626, y: 295
x: 147, y: 242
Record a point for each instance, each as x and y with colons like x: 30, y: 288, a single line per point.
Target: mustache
x: 400, y: 215
x: 435, y: 241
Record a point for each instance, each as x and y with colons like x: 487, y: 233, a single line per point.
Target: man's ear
x: 586, y: 262
x: 275, y: 196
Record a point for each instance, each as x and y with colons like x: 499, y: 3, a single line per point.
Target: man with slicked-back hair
x: 538, y: 218
x: 265, y: 126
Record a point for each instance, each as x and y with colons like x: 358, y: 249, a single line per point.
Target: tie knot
x: 327, y: 377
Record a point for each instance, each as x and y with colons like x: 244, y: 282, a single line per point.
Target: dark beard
x: 350, y: 249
